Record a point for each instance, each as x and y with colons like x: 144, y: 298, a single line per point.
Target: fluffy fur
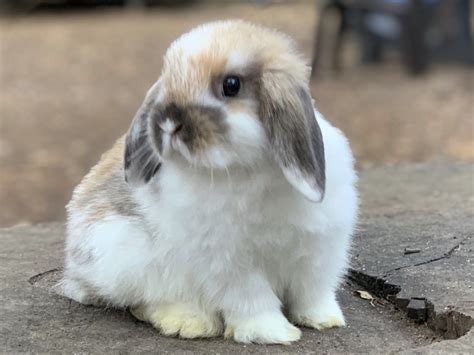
x: 216, y: 228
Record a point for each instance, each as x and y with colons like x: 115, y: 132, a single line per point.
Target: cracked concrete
x: 35, y: 319
x: 444, y: 256
x: 427, y: 207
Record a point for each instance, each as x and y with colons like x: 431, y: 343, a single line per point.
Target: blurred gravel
x: 71, y: 82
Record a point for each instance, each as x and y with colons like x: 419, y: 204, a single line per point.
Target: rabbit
x: 229, y: 199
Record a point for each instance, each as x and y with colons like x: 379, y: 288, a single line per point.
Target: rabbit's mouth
x: 216, y: 156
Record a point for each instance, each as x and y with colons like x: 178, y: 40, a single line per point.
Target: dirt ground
x: 71, y: 82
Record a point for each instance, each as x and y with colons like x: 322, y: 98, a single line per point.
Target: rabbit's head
x: 230, y: 93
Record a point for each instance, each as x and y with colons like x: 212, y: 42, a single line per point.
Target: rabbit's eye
x: 231, y: 85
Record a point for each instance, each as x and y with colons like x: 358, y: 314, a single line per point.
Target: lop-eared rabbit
x: 229, y: 198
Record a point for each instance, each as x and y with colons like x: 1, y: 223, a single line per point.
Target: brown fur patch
x: 103, y: 191
x: 201, y: 126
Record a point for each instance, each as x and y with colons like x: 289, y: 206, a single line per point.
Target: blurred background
x: 395, y: 75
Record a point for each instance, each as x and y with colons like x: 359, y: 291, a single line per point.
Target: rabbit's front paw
x: 320, y: 317
x: 266, y: 328
x: 179, y: 319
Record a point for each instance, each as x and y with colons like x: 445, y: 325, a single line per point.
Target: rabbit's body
x: 198, y: 245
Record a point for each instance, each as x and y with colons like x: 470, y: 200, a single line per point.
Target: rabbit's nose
x: 170, y: 127
x: 179, y: 127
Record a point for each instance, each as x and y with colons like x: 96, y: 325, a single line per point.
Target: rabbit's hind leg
x: 111, y: 260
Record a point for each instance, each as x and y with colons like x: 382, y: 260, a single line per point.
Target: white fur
x: 240, y: 242
x: 302, y: 184
x: 237, y: 60
x: 219, y: 239
x: 190, y: 43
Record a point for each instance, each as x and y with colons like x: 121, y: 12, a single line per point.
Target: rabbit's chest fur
x: 207, y: 228
x: 195, y: 234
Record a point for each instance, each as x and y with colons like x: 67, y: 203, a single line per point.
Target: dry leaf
x: 365, y: 295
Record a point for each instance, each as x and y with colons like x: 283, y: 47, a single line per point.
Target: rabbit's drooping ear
x: 141, y: 161
x: 295, y: 137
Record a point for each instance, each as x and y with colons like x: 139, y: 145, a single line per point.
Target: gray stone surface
x: 427, y: 207
x: 463, y: 345
x: 36, y: 319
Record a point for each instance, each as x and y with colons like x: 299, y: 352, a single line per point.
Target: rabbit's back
x: 103, y: 191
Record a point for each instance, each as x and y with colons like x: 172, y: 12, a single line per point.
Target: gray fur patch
x: 294, y: 133
x: 81, y: 256
x: 319, y: 163
x: 141, y: 162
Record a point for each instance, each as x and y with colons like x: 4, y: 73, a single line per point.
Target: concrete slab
x: 36, y: 319
x: 426, y: 207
